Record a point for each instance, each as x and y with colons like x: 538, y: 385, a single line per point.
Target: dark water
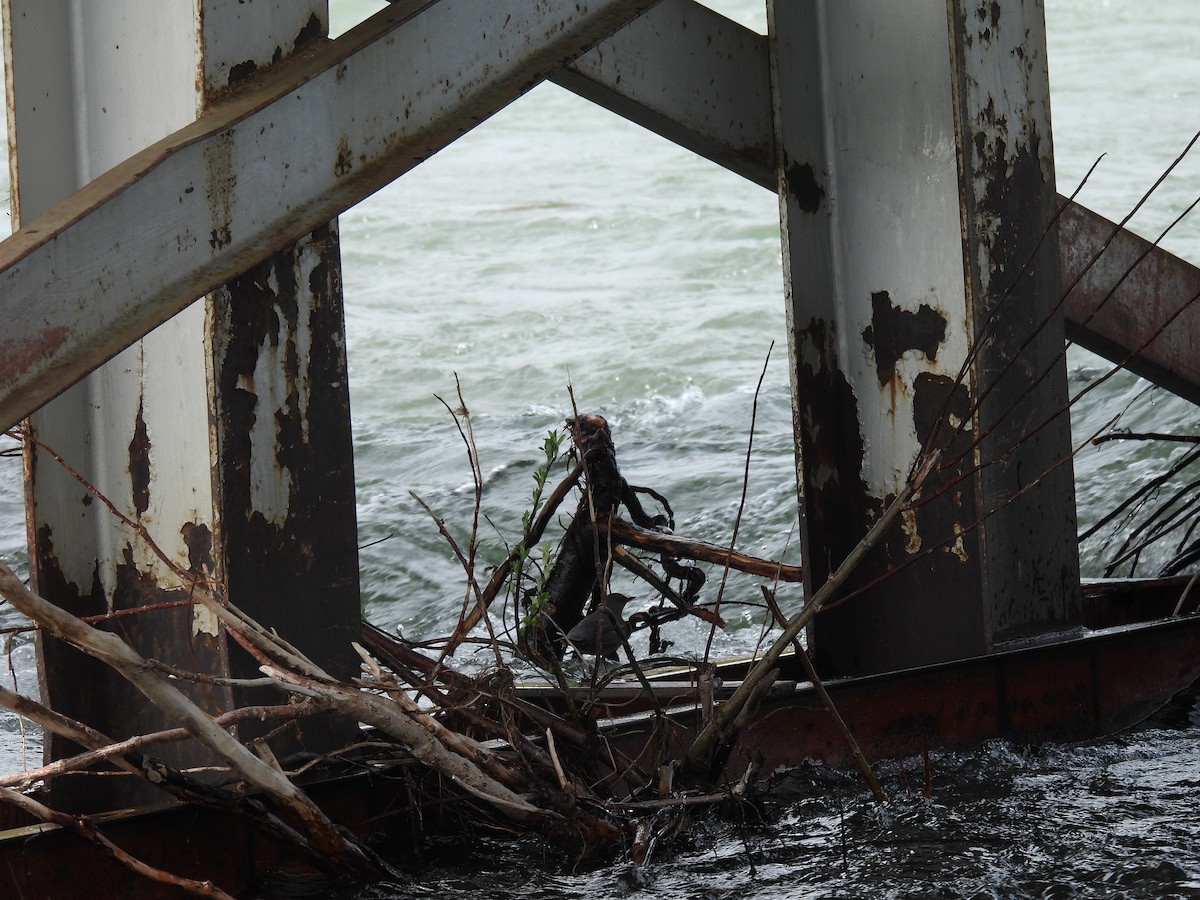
x: 1110, y: 819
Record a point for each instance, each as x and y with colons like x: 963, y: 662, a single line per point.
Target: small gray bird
x: 600, y: 633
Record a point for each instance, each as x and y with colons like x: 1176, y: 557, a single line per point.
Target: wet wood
x: 630, y: 535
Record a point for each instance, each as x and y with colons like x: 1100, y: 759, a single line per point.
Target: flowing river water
x: 556, y: 245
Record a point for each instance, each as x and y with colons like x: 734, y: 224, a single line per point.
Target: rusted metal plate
x: 262, y: 168
x: 691, y: 75
x: 1076, y: 689
x: 1134, y: 304
x: 203, y: 844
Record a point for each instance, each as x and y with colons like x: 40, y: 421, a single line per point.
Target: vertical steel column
x: 89, y: 84
x: 281, y: 403
x: 916, y: 179
x: 155, y: 430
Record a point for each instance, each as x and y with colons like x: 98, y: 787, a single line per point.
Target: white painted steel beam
x: 78, y: 104
x: 915, y: 171
x: 152, y: 429
x: 260, y: 169
x: 1132, y: 303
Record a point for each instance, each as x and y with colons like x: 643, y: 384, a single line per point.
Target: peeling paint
x: 199, y: 541
x: 912, y: 535
x: 139, y: 463
x: 205, y: 621
x: 313, y: 30
x: 801, y: 184
x: 242, y: 71
x: 894, y: 331
x: 957, y: 548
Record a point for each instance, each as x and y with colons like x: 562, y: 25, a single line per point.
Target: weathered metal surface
x: 877, y: 324
x: 315, y: 135
x: 1027, y: 489
x: 282, y: 449
x: 878, y: 116
x: 692, y: 76
x: 285, y: 461
x: 1134, y: 305
x: 236, y: 40
x: 1070, y: 691
x: 78, y: 104
x: 1075, y: 689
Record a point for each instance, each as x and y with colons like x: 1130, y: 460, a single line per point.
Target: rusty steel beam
x: 1019, y: 380
x: 1134, y: 305
x: 76, y: 106
x: 267, y: 165
x: 691, y: 75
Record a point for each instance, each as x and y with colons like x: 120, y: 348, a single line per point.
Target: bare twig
x: 737, y: 519
x: 823, y: 695
x: 701, y: 755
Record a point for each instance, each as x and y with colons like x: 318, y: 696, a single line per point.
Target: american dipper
x: 600, y: 633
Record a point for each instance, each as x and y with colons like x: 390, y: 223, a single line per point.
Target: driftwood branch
x: 114, y: 751
x: 116, y: 653
x: 631, y: 535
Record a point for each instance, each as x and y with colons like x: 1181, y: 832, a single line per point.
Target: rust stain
x: 221, y: 183
x: 912, y: 537
x: 344, y: 162
x: 198, y: 539
x: 837, y: 496
x: 52, y: 583
x: 940, y: 406
x: 19, y: 355
x: 894, y: 331
x: 313, y: 30
x: 801, y: 183
x: 242, y: 71
x: 139, y: 463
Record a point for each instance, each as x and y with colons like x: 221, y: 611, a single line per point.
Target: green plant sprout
x: 551, y: 448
